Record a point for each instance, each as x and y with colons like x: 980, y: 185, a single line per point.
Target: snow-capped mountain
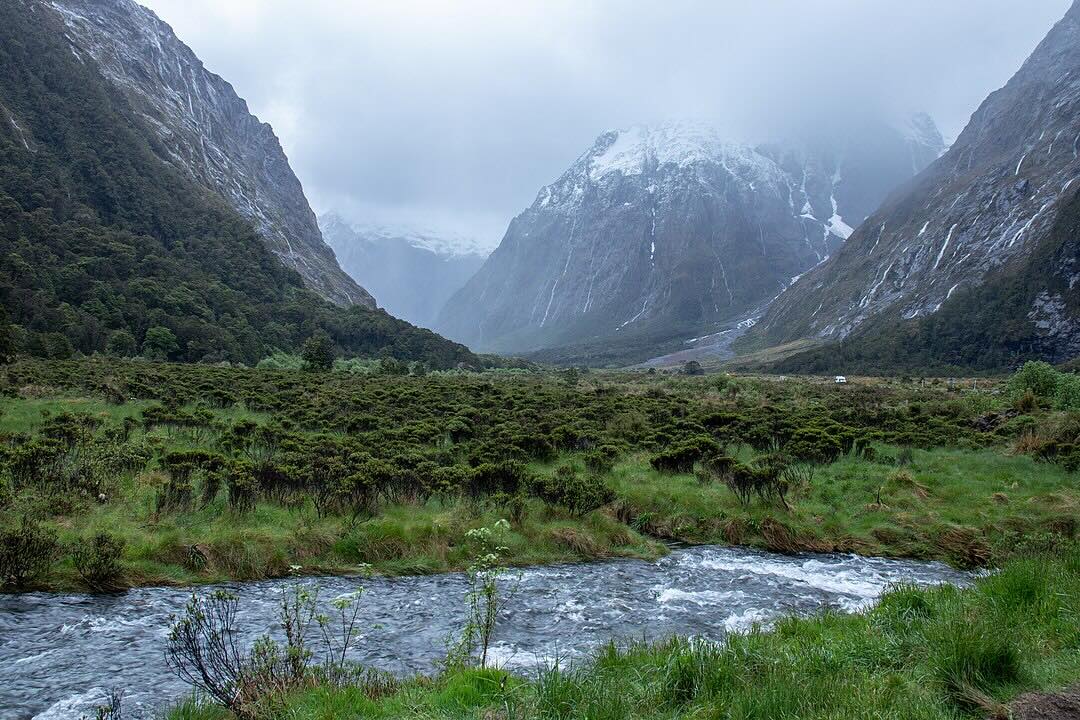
x: 673, y: 227
x: 996, y: 208
x: 412, y: 271
x: 207, y: 131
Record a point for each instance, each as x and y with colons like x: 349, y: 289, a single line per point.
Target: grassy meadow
x: 120, y: 474
x: 198, y: 475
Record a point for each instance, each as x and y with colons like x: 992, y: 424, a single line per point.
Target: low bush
x: 580, y: 494
x: 681, y: 457
x: 27, y: 553
x: 99, y: 561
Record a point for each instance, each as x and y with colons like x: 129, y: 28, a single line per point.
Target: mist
x: 453, y: 115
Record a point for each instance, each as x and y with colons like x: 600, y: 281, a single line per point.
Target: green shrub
x: 1067, y: 393
x: 601, y: 460
x: 26, y: 553
x: 507, y: 477
x: 1039, y: 377
x: 580, y: 494
x: 681, y: 457
x: 99, y: 561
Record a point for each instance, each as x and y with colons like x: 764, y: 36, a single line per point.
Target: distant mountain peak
x: 672, y: 226
x: 441, y: 241
x: 412, y: 272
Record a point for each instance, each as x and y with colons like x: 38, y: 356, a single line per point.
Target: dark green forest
x: 106, y: 247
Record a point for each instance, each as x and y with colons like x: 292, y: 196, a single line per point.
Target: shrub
x: 601, y: 460
x: 1067, y: 394
x: 681, y: 458
x: 240, y: 481
x: 318, y: 352
x: 26, y: 553
x: 175, y: 495
x: 1040, y: 378
x: 508, y: 477
x: 99, y: 561
x: 813, y: 445
x: 742, y: 481
x: 580, y: 494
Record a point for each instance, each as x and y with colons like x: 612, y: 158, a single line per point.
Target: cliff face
x: 673, y: 228
x: 982, y: 214
x: 206, y: 130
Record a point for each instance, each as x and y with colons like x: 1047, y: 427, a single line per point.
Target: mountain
x: 413, y: 273
x: 106, y: 244
x: 975, y: 265
x: 657, y: 232
x: 207, y: 132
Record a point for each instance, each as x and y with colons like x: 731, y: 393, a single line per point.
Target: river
x: 59, y: 653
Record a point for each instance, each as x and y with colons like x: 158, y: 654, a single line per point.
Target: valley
x: 173, y: 475
x: 766, y: 405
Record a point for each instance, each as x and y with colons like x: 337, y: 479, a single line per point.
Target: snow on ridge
x: 439, y: 241
x: 682, y: 143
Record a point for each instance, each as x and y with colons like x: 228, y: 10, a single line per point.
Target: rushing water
x: 58, y: 653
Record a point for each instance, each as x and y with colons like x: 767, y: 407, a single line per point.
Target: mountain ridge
x: 107, y: 248
x: 983, y: 209
x: 413, y: 273
x: 208, y: 131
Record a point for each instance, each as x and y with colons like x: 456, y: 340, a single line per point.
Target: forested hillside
x: 101, y: 242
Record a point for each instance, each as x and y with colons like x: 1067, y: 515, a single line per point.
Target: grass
x: 970, y: 507
x: 962, y: 506
x: 273, y: 541
x: 967, y: 507
x: 922, y: 654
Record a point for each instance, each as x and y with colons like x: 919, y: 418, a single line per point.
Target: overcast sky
x: 453, y: 113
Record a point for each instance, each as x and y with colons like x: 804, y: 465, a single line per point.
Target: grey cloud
x: 457, y: 112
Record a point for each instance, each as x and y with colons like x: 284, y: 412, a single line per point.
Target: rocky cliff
x: 979, y: 217
x: 207, y: 131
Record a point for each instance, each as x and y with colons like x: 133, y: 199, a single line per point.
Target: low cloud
x: 457, y: 112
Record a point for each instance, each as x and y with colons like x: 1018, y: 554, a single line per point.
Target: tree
x: 318, y: 352
x: 1039, y: 377
x: 7, y: 337
x: 693, y: 367
x: 121, y: 344
x: 159, y: 343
